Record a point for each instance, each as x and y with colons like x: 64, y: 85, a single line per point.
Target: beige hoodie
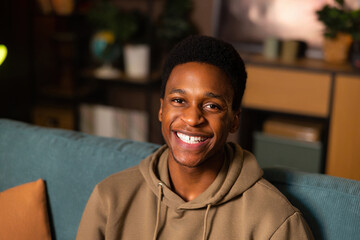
x: 138, y: 203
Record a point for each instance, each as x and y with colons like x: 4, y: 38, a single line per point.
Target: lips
x: 190, y: 139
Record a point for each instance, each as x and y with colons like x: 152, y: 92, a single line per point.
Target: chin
x: 191, y: 160
x: 187, y: 160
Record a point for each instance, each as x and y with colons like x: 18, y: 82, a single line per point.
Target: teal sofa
x: 71, y: 163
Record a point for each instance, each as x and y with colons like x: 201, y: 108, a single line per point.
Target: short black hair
x: 205, y: 49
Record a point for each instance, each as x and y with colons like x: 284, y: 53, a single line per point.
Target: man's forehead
x: 205, y: 94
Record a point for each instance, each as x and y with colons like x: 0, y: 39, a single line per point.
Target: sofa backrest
x: 71, y: 163
x: 330, y: 205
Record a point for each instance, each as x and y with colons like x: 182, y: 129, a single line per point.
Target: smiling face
x: 196, y: 113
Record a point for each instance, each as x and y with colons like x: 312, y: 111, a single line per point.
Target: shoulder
x: 273, y: 207
x: 273, y: 198
x: 272, y: 192
x: 121, y: 182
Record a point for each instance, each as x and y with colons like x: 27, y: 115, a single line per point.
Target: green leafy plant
x: 142, y: 26
x: 126, y: 26
x: 339, y: 19
x: 174, y: 23
x: 354, y: 29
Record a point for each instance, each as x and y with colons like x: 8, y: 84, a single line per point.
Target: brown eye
x: 177, y: 100
x: 213, y: 107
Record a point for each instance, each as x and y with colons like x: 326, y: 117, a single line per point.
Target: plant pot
x: 271, y: 48
x: 290, y: 51
x: 336, y: 49
x: 137, y: 61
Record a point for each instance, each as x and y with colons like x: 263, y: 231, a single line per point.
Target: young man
x: 197, y: 186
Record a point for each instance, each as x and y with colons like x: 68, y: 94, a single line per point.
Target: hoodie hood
x: 239, y: 172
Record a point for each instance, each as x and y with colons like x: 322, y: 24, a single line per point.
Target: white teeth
x: 190, y: 139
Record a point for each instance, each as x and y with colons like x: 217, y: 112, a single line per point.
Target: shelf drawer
x: 274, y: 151
x: 290, y: 91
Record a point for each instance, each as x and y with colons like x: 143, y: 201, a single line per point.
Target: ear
x: 160, y: 110
x: 236, y: 122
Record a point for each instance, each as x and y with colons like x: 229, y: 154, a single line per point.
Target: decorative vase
x: 290, y: 51
x: 336, y: 49
x: 271, y: 48
x: 137, y: 61
x: 105, y: 50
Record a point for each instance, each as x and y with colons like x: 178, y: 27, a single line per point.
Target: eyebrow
x: 177, y: 90
x: 213, y: 95
x: 207, y: 94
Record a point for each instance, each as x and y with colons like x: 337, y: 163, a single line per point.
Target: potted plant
x: 174, y: 23
x: 341, y: 27
x: 137, y: 47
x: 117, y: 32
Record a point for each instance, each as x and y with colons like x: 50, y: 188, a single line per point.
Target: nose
x: 193, y: 116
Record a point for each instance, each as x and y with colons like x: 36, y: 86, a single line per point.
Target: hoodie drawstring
x: 160, y: 194
x: 205, y: 220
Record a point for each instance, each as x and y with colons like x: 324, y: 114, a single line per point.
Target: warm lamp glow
x: 3, y: 53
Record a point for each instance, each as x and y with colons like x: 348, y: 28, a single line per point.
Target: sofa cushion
x: 23, y: 212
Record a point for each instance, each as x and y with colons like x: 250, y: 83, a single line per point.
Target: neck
x: 190, y: 182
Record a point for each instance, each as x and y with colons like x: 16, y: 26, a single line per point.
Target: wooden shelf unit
x: 309, y: 89
x: 124, y: 93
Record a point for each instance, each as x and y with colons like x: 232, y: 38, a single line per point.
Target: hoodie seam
x: 100, y: 196
x: 104, y: 206
x: 282, y: 224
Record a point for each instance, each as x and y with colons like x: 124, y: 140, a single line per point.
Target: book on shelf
x: 108, y: 121
x: 308, y: 131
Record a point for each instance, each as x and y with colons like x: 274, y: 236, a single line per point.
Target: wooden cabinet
x: 344, y: 137
x: 291, y: 91
x: 313, y: 90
